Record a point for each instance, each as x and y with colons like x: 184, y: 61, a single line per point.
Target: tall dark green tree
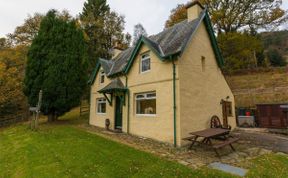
x: 56, y: 65
x: 104, y: 30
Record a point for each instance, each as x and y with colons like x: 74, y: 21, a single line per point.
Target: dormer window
x: 102, y: 77
x: 145, y: 64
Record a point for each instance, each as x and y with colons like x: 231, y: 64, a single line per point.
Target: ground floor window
x: 146, y: 103
x: 101, y: 106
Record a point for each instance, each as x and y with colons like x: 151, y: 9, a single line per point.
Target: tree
x: 239, y: 50
x: 93, y: 19
x: 126, y: 41
x: 104, y: 29
x: 234, y: 15
x: 56, y: 65
x: 177, y: 15
x: 275, y: 58
x: 139, y: 31
x: 25, y: 33
x: 12, y: 62
x: 113, y: 28
x: 3, y: 43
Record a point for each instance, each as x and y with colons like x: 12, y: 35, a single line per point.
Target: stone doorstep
x: 229, y: 169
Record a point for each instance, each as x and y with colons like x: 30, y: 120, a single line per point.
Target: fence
x: 13, y: 119
x: 84, y: 107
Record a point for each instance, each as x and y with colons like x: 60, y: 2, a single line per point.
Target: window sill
x: 147, y: 71
x: 146, y: 115
x: 102, y: 114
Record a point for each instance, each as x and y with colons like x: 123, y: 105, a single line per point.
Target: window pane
x: 101, y: 106
x: 102, y: 78
x: 145, y: 65
x: 140, y: 96
x: 145, y: 56
x: 146, y: 106
x: 151, y: 95
x: 98, y: 108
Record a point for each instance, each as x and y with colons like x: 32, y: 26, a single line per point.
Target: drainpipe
x: 174, y: 102
x: 128, y: 107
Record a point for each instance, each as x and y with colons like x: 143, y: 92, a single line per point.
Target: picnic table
x: 212, y: 133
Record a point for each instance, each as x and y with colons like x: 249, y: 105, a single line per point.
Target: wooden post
x: 36, y: 112
x: 33, y: 122
x: 38, y: 109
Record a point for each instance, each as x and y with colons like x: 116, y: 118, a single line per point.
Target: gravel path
x: 274, y: 142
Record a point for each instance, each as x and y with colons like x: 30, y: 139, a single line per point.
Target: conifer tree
x: 56, y: 65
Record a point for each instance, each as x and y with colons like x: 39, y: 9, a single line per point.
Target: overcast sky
x: 151, y: 13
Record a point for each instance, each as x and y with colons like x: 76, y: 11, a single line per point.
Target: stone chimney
x: 194, y: 9
x: 116, y: 50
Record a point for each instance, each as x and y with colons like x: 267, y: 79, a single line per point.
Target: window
x: 102, y: 77
x: 146, y: 104
x: 203, y: 63
x: 101, y: 106
x: 145, y: 64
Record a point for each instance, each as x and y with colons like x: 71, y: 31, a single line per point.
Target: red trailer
x: 272, y: 115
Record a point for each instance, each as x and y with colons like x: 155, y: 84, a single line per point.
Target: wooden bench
x: 229, y: 142
x: 189, y: 138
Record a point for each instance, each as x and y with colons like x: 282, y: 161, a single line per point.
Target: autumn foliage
x: 12, y: 62
x: 178, y: 14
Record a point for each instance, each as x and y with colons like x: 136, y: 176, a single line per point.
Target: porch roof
x: 115, y: 86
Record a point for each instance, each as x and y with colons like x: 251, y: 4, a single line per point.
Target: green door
x: 118, y: 113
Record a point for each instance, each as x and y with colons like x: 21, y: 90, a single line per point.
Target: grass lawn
x: 62, y: 150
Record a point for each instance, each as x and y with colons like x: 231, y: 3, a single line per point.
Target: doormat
x: 229, y: 169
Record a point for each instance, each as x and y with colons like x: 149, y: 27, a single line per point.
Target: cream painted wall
x: 159, y: 79
x: 201, y: 90
x: 95, y: 118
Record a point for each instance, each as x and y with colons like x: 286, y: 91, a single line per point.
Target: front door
x: 227, y: 111
x: 118, y: 113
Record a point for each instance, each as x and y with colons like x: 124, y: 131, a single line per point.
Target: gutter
x: 128, y: 108
x: 174, y: 102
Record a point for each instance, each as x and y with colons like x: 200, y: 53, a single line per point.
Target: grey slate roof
x: 121, y: 61
x: 170, y: 41
x: 116, y: 84
x: 173, y: 39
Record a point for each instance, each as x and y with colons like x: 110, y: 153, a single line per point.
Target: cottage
x: 166, y: 86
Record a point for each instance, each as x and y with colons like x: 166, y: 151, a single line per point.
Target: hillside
x: 250, y: 88
x: 276, y: 40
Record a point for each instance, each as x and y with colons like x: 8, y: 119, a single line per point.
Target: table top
x: 211, y: 132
